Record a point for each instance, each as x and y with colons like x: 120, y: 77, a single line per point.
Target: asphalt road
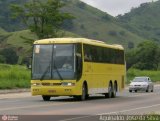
x: 68, y: 109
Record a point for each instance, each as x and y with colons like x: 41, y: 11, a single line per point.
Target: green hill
x: 95, y: 24
x: 17, y: 41
x: 2, y: 31
x: 143, y: 21
x: 89, y: 22
x: 3, y: 36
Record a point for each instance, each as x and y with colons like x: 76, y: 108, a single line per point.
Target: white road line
x: 117, y: 112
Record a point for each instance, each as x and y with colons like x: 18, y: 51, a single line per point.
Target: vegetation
x: 14, y: 76
x: 43, y: 18
x: 145, y: 57
x: 88, y: 20
x: 154, y: 75
x: 92, y: 23
x: 131, y: 30
x: 9, y: 56
x: 143, y: 21
x: 6, y: 22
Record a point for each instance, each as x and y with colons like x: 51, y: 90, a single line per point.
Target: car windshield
x: 140, y: 79
x: 56, y: 62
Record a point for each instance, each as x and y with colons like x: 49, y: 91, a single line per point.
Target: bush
x: 95, y: 34
x: 14, y: 76
x: 130, y: 45
x: 112, y: 33
x: 68, y: 24
x: 81, y: 5
x: 122, y: 33
x: 106, y: 17
x: 10, y: 56
x: 154, y: 75
x: 2, y: 59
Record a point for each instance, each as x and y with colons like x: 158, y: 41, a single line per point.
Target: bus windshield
x: 53, y: 62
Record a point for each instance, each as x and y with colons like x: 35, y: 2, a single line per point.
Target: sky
x: 116, y: 7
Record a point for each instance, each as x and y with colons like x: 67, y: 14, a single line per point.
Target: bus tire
x: 46, y: 98
x: 114, y: 90
x: 84, y: 93
x: 109, y: 94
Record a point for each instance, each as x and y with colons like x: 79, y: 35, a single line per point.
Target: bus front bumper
x: 54, y: 91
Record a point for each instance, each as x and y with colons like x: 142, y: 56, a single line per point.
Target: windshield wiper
x: 60, y: 76
x: 44, y: 74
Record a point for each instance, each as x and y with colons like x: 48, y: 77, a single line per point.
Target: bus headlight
x: 68, y: 84
x: 36, y: 84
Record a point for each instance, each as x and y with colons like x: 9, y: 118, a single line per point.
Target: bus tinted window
x: 103, y: 55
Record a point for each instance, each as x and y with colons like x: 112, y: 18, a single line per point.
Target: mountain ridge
x: 143, y: 21
x: 89, y: 22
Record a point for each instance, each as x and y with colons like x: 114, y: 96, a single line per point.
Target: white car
x: 141, y: 84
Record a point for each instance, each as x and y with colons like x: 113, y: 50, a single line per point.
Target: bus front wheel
x: 84, y: 93
x: 46, y: 98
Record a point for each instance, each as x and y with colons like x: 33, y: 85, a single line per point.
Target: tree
x: 145, y: 57
x: 130, y: 45
x: 44, y: 18
x: 148, y: 55
x: 131, y: 58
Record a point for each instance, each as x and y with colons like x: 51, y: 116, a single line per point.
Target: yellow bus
x: 76, y: 67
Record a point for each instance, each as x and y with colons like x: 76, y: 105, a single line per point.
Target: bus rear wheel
x: 109, y: 94
x: 114, y: 90
x: 46, y: 98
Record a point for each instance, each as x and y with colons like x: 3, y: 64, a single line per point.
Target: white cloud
x: 115, y: 7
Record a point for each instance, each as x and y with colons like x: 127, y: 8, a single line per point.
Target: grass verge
x: 154, y: 75
x: 14, y: 76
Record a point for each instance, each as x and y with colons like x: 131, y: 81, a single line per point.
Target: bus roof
x: 78, y: 40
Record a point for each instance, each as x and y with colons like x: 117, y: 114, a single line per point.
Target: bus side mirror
x: 29, y: 66
x: 79, y: 62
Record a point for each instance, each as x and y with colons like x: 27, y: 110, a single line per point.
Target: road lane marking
x: 122, y: 111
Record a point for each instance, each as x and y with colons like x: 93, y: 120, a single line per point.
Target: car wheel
x: 135, y: 90
x: 152, y: 89
x: 46, y: 98
x: 130, y: 90
x: 147, y: 90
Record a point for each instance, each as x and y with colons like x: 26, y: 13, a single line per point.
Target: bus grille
x: 51, y: 84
